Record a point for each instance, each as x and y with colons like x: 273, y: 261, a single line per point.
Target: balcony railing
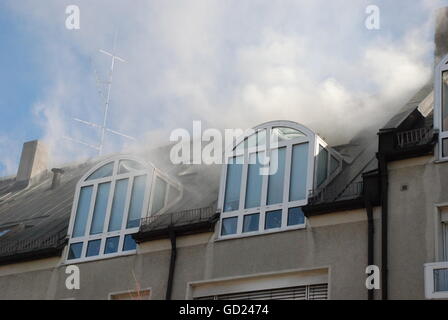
x: 420, y: 136
x: 335, y: 193
x: 11, y: 247
x: 180, y: 218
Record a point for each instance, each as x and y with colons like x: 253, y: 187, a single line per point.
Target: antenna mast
x: 106, y: 102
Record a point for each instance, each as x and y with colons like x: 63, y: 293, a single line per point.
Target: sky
x: 230, y: 64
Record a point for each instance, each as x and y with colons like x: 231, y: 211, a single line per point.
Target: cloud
x: 230, y: 64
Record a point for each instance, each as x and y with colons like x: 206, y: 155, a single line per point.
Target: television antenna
x: 103, y: 85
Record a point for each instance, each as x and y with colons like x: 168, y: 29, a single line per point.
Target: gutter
x: 169, y: 286
x: 384, y: 226
x: 370, y: 242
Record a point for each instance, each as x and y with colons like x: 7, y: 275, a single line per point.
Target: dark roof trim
x: 332, y: 207
x: 32, y: 255
x: 182, y: 230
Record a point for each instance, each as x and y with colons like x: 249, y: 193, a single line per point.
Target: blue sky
x: 226, y: 63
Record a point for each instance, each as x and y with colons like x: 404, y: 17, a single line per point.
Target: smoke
x: 231, y: 64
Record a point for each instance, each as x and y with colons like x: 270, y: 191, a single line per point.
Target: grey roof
x: 39, y: 213
x: 37, y: 216
x: 409, y: 107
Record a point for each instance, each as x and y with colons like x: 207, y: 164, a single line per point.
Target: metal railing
x: 334, y: 193
x: 179, y: 218
x: 10, y: 247
x: 414, y: 137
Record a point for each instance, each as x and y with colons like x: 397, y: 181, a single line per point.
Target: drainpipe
x: 370, y: 242
x: 169, y: 287
x: 384, y: 226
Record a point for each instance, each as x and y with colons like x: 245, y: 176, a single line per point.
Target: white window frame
x: 331, y: 153
x: 429, y: 280
x: 311, y: 138
x: 111, y: 295
x: 440, y: 254
x: 260, y: 281
x: 438, y: 92
x: 150, y: 171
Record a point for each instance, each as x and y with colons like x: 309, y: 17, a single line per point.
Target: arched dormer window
x: 268, y: 177
x: 110, y: 201
x: 441, y: 106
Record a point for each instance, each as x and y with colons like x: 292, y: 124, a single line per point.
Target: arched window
x: 109, y: 203
x: 441, y: 106
x: 268, y: 176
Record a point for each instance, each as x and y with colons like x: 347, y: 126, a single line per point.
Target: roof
x: 38, y: 217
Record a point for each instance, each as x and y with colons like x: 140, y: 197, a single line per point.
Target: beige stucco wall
x: 412, y: 221
x: 336, y: 241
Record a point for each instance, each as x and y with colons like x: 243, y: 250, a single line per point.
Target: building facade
x: 287, y: 217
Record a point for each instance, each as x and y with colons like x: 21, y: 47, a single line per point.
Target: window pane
x: 273, y: 219
x: 158, y: 200
x: 295, y: 216
x: 82, y: 212
x: 129, y: 243
x: 111, y: 245
x: 322, y: 165
x: 334, y: 164
x: 254, y: 181
x: 173, y: 194
x: 75, y: 251
x: 258, y: 139
x: 299, y: 169
x: 445, y: 148
x: 251, y: 222
x: 104, y: 171
x: 440, y: 280
x: 445, y: 241
x: 229, y: 226
x: 99, y: 212
x: 445, y: 101
x: 277, y: 176
x: 136, y: 205
x: 93, y: 248
x: 118, y: 204
x: 125, y: 166
x: 279, y: 134
x: 233, y: 185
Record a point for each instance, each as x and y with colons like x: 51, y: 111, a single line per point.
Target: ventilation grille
x: 312, y: 292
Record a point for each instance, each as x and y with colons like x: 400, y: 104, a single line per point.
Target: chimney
x: 441, y: 34
x: 33, y: 161
x: 57, y: 173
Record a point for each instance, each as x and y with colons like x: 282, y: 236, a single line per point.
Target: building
x: 139, y: 227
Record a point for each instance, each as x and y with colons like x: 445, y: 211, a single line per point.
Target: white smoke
x: 231, y: 64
